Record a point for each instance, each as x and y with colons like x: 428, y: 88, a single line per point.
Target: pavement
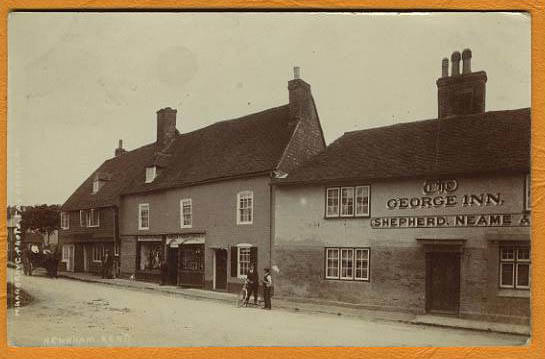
x: 308, y: 306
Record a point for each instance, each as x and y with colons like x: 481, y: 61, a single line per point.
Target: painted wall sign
x: 453, y: 221
x: 440, y: 194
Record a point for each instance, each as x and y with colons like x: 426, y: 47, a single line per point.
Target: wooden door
x: 443, y: 282
x: 172, y: 266
x: 221, y: 269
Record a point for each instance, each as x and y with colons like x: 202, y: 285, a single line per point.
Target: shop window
x: 98, y: 251
x: 347, y: 263
x: 143, y: 216
x: 515, y: 267
x: 347, y: 201
x: 186, y: 212
x: 192, y: 258
x: 65, y: 220
x: 245, y: 207
x: 151, y: 255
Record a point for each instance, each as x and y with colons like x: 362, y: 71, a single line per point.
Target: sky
x: 79, y: 82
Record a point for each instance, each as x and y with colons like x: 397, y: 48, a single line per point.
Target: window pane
x: 333, y: 202
x: 346, y: 263
x: 507, y: 253
x: 244, y: 260
x: 361, y: 262
x: 523, y: 254
x: 332, y: 263
x: 507, y: 271
x: 362, y: 200
x: 523, y: 274
x: 347, y: 201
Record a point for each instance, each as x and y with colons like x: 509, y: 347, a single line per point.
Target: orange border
x: 535, y: 350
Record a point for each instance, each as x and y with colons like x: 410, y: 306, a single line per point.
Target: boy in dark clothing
x: 253, y: 284
x: 267, y: 286
x: 107, y: 265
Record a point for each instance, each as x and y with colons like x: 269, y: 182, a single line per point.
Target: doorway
x: 221, y: 269
x: 172, y: 266
x: 443, y: 282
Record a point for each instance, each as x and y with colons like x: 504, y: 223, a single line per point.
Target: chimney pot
x: 444, y: 65
x: 466, y: 57
x: 455, y: 58
x: 119, y: 150
x: 296, y: 72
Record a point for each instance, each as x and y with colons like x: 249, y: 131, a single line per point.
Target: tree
x: 40, y: 218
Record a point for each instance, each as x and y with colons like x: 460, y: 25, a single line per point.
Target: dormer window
x: 151, y: 173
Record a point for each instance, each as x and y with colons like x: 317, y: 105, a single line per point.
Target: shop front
x: 149, y: 255
x: 185, y: 260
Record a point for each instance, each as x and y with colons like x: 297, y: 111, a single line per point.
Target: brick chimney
x: 119, y: 150
x: 301, y: 103
x: 460, y: 93
x: 166, y: 129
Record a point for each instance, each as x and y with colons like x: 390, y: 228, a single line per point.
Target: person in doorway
x: 253, y: 284
x: 164, y: 272
x: 267, y: 287
x: 107, y: 264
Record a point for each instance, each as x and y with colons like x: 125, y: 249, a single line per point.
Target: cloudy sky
x: 78, y: 82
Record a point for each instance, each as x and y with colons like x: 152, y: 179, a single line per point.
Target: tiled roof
x: 245, y: 146
x: 489, y: 142
x: 119, y: 171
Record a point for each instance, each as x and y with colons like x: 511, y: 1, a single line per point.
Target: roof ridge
x: 241, y: 118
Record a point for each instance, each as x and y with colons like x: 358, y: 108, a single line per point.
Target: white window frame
x: 90, y: 216
x: 528, y: 193
x: 367, y: 260
x: 353, y: 202
x: 341, y: 265
x: 151, y: 173
x: 141, y: 206
x: 515, y: 261
x: 96, y: 185
x: 368, y: 213
x: 183, y: 202
x: 241, y: 196
x: 338, y: 191
x: 65, y: 220
x: 66, y: 252
x: 339, y: 257
x: 97, y: 249
x: 239, y: 267
x: 327, y: 262
x: 83, y: 217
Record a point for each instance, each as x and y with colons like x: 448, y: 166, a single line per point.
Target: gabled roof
x: 119, y: 171
x: 488, y: 142
x: 245, y: 146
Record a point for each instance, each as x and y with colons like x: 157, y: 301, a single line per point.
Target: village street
x: 66, y: 312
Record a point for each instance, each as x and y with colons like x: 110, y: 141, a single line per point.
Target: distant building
x: 426, y: 217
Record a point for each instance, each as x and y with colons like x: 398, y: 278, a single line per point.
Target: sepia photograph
x: 268, y: 179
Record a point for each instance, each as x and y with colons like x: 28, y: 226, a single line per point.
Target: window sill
x: 513, y: 293
x: 244, y: 223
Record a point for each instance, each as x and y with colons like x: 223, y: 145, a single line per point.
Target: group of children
x: 253, y: 286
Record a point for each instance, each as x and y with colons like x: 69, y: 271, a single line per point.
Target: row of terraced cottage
x: 429, y: 216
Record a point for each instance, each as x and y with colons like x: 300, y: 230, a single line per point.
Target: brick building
x: 426, y: 217
x: 89, y: 218
x: 200, y: 201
